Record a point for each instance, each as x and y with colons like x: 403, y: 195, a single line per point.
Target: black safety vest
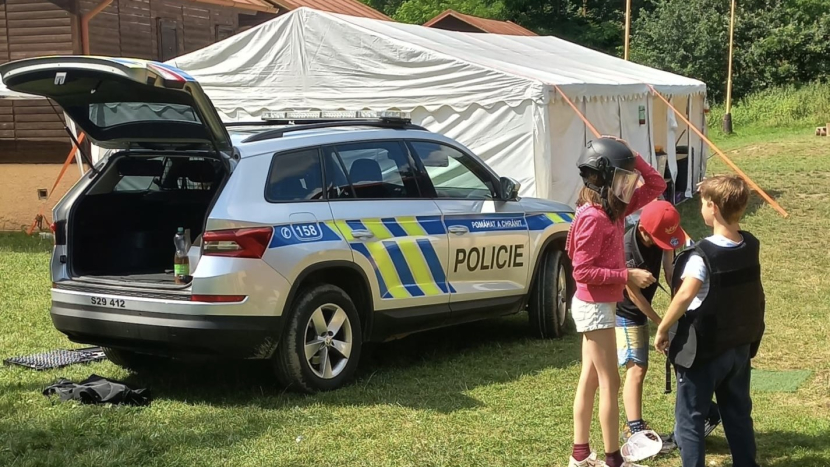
x: 648, y: 258
x: 732, y: 314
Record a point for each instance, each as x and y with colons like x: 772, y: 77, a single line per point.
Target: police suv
x: 312, y: 233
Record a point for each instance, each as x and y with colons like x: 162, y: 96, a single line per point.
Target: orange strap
x: 66, y: 165
x: 720, y: 153
x: 578, y: 113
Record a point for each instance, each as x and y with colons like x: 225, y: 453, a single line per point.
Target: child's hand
x: 640, y: 278
x: 661, y: 341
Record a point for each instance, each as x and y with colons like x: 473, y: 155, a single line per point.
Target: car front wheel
x: 320, y: 349
x: 549, y: 301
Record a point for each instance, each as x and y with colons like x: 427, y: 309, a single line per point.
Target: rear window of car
x: 105, y: 115
x: 295, y: 176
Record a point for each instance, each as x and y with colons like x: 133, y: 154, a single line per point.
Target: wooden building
x: 32, y: 131
x: 454, y: 21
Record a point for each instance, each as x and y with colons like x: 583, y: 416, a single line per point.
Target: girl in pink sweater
x: 610, y: 172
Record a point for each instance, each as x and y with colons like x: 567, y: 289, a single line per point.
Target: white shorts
x: 593, y: 316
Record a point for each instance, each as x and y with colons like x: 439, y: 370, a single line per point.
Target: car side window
x: 454, y: 175
x: 374, y: 170
x: 337, y: 182
x: 295, y: 176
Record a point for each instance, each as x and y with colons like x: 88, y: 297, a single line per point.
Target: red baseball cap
x: 662, y: 222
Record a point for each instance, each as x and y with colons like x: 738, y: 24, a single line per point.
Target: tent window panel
x: 453, y: 173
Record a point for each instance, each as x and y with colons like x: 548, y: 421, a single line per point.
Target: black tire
x: 548, y: 307
x: 127, y: 359
x: 291, y: 366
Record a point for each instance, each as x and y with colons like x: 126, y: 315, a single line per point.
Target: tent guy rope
x: 720, y: 153
x: 578, y: 113
x: 55, y: 185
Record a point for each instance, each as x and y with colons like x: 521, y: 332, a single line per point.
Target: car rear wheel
x: 549, y: 303
x: 321, y: 347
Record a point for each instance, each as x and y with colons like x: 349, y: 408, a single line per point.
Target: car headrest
x: 365, y: 170
x: 288, y: 189
x: 199, y: 171
x: 137, y: 167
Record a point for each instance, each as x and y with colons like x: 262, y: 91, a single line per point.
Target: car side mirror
x: 509, y: 189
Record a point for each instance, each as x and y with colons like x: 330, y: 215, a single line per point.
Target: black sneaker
x: 668, y: 443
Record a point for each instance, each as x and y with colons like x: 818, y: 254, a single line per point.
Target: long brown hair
x: 613, y: 207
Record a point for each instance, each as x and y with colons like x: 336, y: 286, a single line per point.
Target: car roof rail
x: 314, y: 124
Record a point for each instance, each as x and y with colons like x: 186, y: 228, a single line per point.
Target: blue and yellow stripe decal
x: 544, y: 220
x: 401, y: 252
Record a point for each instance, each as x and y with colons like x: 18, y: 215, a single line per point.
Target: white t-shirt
x: 696, y: 268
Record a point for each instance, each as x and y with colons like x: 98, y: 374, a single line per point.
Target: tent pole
x: 727, y: 118
x: 627, y: 27
x: 720, y: 153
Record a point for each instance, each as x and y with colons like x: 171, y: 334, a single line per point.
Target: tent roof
x: 312, y: 59
x: 491, y: 26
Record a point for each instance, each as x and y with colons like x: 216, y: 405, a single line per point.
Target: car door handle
x: 361, y: 234
x: 458, y: 229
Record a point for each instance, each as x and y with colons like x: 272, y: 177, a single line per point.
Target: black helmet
x: 602, y: 157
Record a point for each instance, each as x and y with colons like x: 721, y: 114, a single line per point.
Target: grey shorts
x: 593, y: 316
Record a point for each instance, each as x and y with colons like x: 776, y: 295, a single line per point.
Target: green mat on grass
x: 778, y: 381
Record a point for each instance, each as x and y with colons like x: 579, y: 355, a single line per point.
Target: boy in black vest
x: 714, y: 326
x: 649, y: 245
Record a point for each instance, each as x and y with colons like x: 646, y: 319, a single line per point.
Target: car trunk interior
x: 123, y: 227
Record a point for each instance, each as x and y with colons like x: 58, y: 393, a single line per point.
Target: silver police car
x: 312, y: 233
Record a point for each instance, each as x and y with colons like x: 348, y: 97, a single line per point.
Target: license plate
x: 108, y: 302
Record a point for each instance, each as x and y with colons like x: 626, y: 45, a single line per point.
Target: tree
x: 777, y: 42
x: 421, y: 11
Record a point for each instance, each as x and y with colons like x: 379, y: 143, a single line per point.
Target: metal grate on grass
x: 57, y: 358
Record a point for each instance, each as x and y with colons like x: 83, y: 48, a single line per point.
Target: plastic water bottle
x: 181, y: 262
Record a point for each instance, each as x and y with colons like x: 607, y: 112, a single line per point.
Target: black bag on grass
x: 99, y: 390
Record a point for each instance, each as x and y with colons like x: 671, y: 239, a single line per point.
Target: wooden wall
x: 31, y: 28
x: 31, y: 131
x: 130, y: 28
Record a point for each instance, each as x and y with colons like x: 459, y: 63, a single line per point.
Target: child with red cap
x: 648, y: 245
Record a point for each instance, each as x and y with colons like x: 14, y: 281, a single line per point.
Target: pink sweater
x: 595, y: 244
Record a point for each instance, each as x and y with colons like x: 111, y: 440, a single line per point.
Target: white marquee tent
x: 493, y: 93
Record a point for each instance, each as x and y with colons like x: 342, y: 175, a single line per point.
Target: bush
x: 786, y: 107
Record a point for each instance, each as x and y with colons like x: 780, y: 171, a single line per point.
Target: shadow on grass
x: 75, y: 438
x: 779, y: 448
x: 19, y: 242
x: 431, y: 370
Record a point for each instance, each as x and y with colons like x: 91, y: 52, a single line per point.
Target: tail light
x: 238, y: 243
x: 217, y: 298
x: 58, y: 229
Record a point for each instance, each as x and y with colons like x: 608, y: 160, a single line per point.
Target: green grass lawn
x: 481, y: 394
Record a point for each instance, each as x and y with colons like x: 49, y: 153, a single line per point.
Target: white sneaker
x: 590, y: 461
x: 641, y: 445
